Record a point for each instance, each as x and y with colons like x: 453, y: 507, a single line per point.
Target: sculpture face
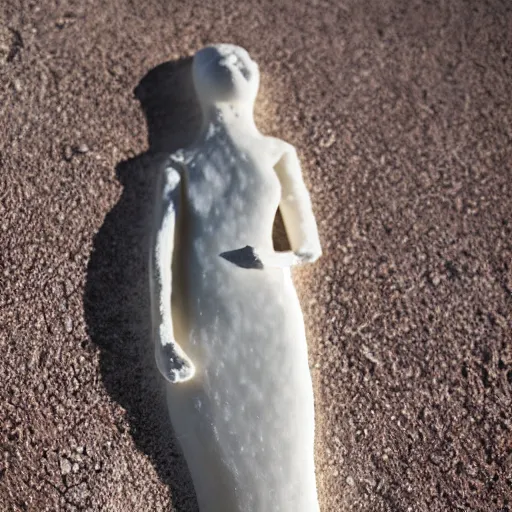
x: 225, y: 73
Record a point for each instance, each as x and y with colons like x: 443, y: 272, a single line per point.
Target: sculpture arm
x: 171, y: 360
x: 298, y: 218
x: 296, y: 209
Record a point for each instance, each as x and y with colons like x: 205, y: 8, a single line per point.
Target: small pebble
x: 68, y: 153
x: 68, y: 324
x: 65, y: 466
x: 82, y: 148
x: 350, y: 481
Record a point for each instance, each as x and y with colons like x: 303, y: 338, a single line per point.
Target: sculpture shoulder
x: 277, y: 148
x: 180, y: 158
x: 172, y: 172
x: 178, y: 162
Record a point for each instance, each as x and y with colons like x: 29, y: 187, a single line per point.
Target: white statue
x: 231, y: 342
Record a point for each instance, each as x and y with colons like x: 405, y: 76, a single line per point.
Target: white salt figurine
x: 232, y: 341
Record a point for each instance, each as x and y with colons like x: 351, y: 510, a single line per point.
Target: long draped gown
x: 245, y: 421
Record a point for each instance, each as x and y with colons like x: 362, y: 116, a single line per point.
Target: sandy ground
x: 402, y: 115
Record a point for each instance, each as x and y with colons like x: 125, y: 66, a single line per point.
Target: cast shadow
x: 116, y: 299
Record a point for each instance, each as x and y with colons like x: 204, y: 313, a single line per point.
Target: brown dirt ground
x: 402, y: 115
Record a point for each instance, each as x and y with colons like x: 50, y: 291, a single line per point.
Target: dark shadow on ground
x: 116, y: 300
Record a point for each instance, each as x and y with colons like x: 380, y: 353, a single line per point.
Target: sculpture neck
x: 229, y: 117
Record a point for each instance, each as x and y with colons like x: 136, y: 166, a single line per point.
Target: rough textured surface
x: 402, y: 114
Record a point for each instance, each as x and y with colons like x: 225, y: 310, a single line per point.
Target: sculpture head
x: 225, y: 73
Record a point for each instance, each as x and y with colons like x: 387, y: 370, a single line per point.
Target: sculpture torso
x: 232, y: 190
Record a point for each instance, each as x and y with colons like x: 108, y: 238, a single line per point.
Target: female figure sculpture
x: 229, y: 332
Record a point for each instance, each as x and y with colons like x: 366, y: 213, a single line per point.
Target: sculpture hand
x: 171, y: 361
x: 307, y: 256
